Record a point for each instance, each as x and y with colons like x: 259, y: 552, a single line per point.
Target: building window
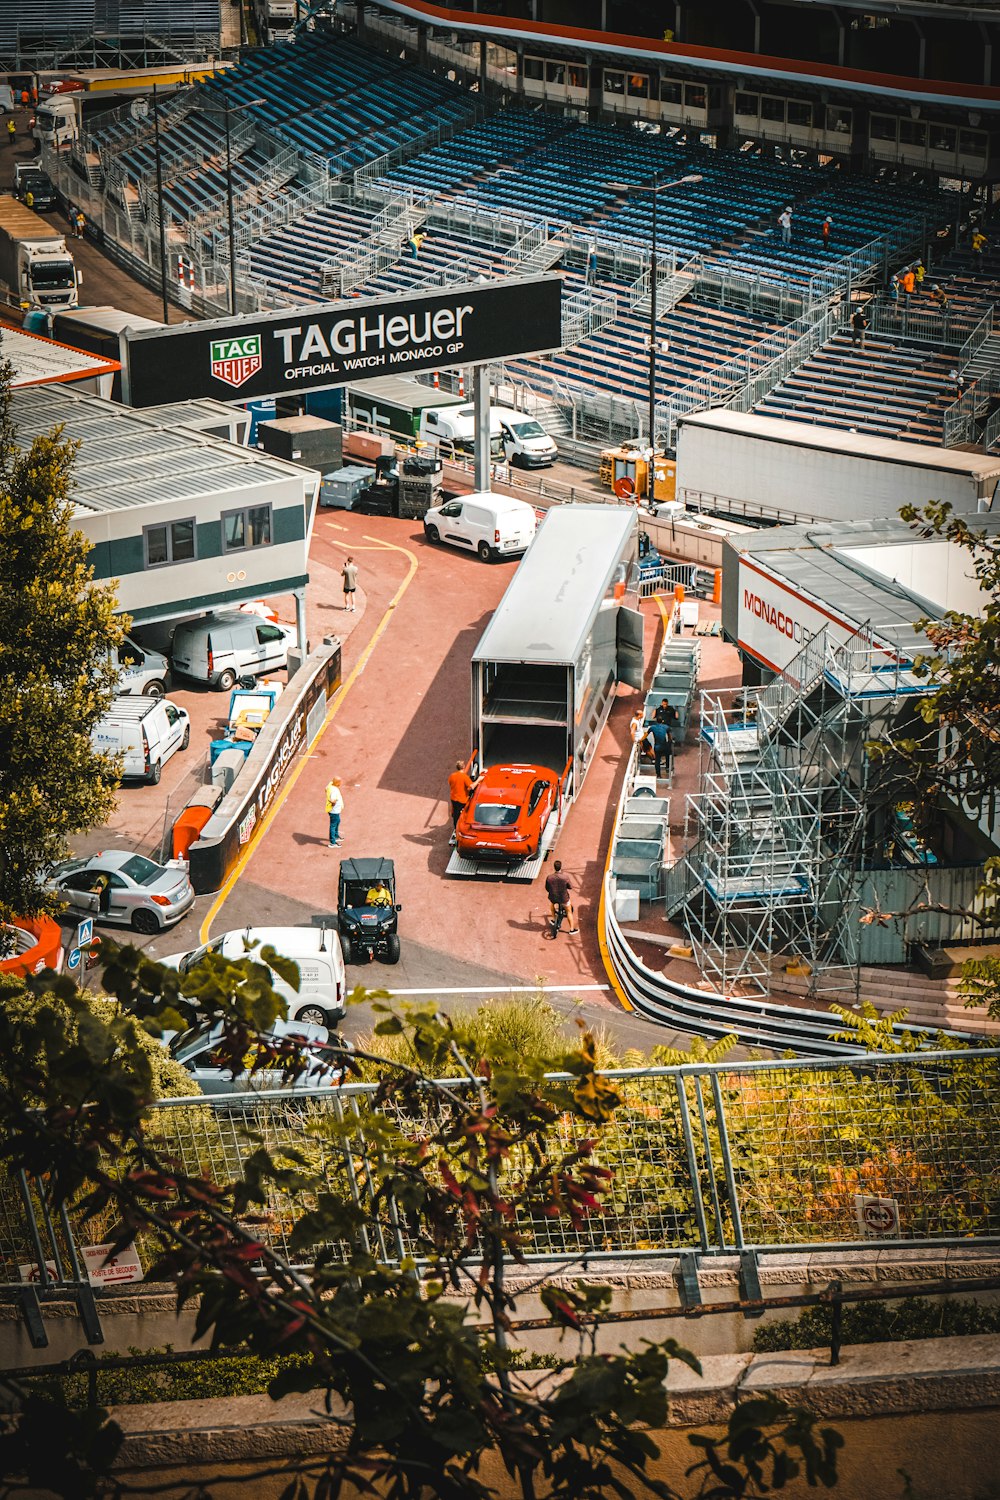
x: 839, y: 119
x: 800, y: 113
x: 883, y: 127
x: 695, y: 96
x: 614, y: 83
x: 555, y: 72
x: 250, y: 527
x: 747, y: 104
x: 942, y: 138
x: 972, y: 143
x: 912, y: 133
x: 577, y: 77
x: 638, y: 85
x: 173, y: 542
x: 772, y: 109
x: 534, y: 68
x: 670, y: 91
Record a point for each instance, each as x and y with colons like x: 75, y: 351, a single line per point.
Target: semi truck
x: 394, y: 405
x: 36, y: 268
x: 738, y: 464
x: 96, y: 330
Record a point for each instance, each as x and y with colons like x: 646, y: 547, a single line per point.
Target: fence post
x: 727, y: 1162
x: 695, y: 1175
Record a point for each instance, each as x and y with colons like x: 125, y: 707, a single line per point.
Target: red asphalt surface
x: 396, y: 732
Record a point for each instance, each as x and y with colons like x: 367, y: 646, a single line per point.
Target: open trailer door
x: 629, y: 647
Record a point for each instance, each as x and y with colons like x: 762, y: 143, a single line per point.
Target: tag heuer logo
x: 234, y: 360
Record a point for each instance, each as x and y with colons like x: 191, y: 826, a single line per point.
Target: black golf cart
x: 368, y: 927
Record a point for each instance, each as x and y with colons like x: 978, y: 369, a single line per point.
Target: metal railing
x: 711, y: 1158
x: 801, y: 339
x: 922, y: 326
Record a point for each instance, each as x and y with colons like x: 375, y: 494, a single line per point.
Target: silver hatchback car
x: 126, y: 889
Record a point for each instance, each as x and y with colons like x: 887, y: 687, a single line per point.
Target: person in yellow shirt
x: 378, y: 895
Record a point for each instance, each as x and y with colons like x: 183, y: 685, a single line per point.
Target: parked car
x: 145, y: 732
x: 221, y: 647
x: 142, y: 672
x: 197, y: 1052
x: 319, y: 999
x: 366, y: 910
x: 487, y: 524
x: 506, y: 814
x: 125, y: 889
x: 31, y: 183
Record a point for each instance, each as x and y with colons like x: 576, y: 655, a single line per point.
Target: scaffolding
x: 777, y: 838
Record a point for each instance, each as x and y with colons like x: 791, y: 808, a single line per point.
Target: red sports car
x: 506, y: 813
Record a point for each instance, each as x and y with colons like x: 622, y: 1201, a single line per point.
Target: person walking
x: 558, y: 888
x: 350, y: 577
x: 415, y: 241
x: 919, y: 272
x: 908, y: 281
x: 460, y: 788
x: 825, y: 231
x: 11, y: 130
x: 80, y: 224
x: 25, y: 98
x: 334, y: 809
x: 892, y: 290
x: 663, y: 748
x: 859, y: 324
x: 979, y: 243
x: 940, y: 296
x: 785, y: 221
x: 592, y: 262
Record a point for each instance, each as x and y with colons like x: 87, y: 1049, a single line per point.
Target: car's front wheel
x: 392, y: 948
x: 144, y: 921
x: 187, y: 737
x: 154, y: 689
x: 432, y: 534
x: 346, y: 948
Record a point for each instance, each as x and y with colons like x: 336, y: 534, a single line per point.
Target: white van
x: 140, y: 671
x: 515, y: 438
x: 219, y: 648
x: 490, y: 525
x: 322, y: 976
x: 145, y: 732
x: 7, y: 105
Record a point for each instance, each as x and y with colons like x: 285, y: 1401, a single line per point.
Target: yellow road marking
x: 602, y: 908
x: 222, y: 896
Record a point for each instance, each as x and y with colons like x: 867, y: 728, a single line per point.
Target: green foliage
x: 56, y: 676
x: 880, y: 1323
x: 194, y: 1380
x: 425, y: 1382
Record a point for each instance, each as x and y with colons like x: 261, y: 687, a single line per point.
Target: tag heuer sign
x: 235, y: 359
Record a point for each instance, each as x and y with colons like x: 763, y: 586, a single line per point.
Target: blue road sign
x: 73, y: 961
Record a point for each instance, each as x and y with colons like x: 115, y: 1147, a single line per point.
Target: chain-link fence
x: 897, y: 1149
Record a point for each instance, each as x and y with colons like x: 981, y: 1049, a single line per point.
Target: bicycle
x: 556, y: 921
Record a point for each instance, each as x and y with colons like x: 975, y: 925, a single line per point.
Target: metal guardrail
x: 715, y: 1159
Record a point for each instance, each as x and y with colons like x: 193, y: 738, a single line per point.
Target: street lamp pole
x: 159, y: 208
x: 655, y: 190
x: 232, y: 220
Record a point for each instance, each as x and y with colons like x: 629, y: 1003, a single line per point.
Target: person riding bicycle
x: 558, y: 888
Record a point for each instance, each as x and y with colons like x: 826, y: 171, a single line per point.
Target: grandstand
x: 338, y: 153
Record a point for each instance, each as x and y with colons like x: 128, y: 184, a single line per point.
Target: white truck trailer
x: 738, y: 464
x: 36, y: 268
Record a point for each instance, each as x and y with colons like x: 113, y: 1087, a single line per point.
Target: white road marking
x: 509, y: 989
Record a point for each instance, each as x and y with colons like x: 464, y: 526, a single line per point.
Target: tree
x: 951, y: 754
x: 421, y: 1384
x: 56, y: 675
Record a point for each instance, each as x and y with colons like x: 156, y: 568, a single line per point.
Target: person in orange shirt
x: 909, y: 282
x: 460, y: 788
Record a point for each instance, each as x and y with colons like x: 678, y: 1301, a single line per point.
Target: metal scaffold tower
x: 777, y: 839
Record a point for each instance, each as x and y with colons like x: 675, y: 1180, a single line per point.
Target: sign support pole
x: 481, y: 417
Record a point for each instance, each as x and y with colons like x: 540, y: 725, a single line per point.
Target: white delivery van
x: 145, y: 732
x: 319, y: 998
x: 7, y: 105
x: 141, y: 671
x: 220, y: 648
x: 514, y: 437
x: 484, y: 523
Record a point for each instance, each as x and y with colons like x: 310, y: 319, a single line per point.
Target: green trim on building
x: 220, y: 599
x: 126, y: 555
